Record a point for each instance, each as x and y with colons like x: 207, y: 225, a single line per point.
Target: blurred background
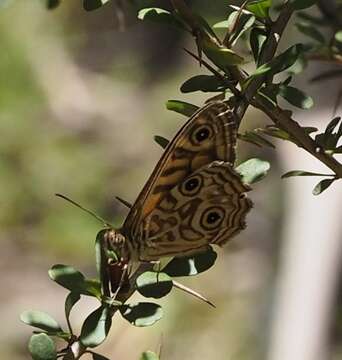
x: 80, y: 101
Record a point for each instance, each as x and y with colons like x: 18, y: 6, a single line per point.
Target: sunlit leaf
x: 253, y: 170
x: 42, y: 347
x: 149, y: 355
x: 96, y: 327
x: 154, y: 284
x: 67, y: 276
x: 181, y: 107
x: 41, y: 320
x: 338, y: 36
x: 260, y: 8
x: 322, y: 186
x: 142, y: 313
x: 191, y: 265
x: 220, y: 55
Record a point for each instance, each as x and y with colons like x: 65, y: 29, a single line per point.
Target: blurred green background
x: 80, y: 102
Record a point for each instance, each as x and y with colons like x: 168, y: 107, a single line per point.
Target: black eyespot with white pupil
x: 191, y: 186
x: 201, y: 134
x: 212, y: 218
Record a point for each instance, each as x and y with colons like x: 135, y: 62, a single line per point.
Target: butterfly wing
x: 209, y: 135
x: 207, y: 207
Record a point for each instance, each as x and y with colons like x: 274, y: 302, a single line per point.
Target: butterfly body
x: 194, y: 197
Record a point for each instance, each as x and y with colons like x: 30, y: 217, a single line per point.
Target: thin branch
x: 280, y: 117
x: 267, y: 53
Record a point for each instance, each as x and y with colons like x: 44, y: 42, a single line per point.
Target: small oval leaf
x: 42, y: 347
x: 149, y: 355
x: 67, y: 277
x: 96, y: 327
x: 301, y: 173
x: 253, y: 170
x: 191, y: 265
x: 141, y: 314
x: 205, y: 83
x: 40, y: 320
x: 70, y: 301
x: 161, y: 141
x: 296, y: 97
x: 91, y: 5
x: 181, y: 107
x: 322, y: 186
x: 154, y: 284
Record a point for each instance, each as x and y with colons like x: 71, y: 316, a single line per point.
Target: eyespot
x: 212, y: 218
x: 191, y: 186
x: 202, y: 133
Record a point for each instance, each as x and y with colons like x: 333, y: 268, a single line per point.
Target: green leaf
x: 181, y: 107
x: 191, y: 265
x: 52, y: 4
x: 42, y: 347
x: 90, y: 5
x: 99, y: 357
x: 70, y: 301
x: 338, y: 36
x: 332, y: 125
x: 279, y: 64
x: 205, y: 83
x: 257, y: 39
x: 154, y: 284
x: 160, y: 16
x: 302, y: 4
x: 245, y: 22
x: 302, y: 173
x: 221, y: 56
x: 260, y: 8
x: 96, y: 327
x: 92, y: 287
x: 40, y: 320
x: 149, y: 355
x: 311, y: 31
x: 142, y: 313
x: 296, y: 97
x: 160, y: 140
x: 67, y: 277
x: 322, y: 185
x: 74, y: 280
x: 253, y: 170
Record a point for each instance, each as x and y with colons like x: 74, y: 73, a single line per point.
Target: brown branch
x: 280, y: 117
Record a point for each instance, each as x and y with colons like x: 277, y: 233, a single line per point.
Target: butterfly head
x: 115, y: 241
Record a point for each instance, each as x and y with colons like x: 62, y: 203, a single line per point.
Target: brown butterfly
x: 193, y: 198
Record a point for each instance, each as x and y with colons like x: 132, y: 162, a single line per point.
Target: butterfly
x: 193, y: 198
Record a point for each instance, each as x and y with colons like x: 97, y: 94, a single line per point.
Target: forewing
x: 209, y: 135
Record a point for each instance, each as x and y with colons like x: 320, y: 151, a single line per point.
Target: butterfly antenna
x: 84, y: 209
